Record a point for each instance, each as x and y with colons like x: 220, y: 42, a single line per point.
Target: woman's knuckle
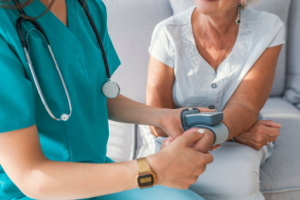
x: 259, y: 140
x: 278, y: 132
x: 257, y: 147
x: 183, y: 186
x: 199, y: 163
x: 195, y: 179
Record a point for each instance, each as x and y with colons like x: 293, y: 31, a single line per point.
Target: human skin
x: 215, y: 33
x: 23, y: 160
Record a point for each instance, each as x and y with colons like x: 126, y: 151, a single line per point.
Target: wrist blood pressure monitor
x: 192, y: 117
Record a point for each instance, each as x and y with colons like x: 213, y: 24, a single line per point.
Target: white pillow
x: 121, y: 142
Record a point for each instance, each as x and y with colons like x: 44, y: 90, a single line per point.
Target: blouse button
x: 211, y: 107
x: 214, y: 85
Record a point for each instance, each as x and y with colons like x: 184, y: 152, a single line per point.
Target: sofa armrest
x: 280, y: 175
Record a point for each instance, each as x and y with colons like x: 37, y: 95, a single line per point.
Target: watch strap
x: 143, y: 166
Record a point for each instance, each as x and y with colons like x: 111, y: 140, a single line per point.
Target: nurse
x: 43, y: 158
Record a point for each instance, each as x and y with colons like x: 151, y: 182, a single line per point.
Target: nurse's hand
x: 263, y: 132
x: 178, y: 165
x: 203, y: 145
x: 170, y: 123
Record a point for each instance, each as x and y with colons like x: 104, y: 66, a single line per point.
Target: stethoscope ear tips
x: 64, y: 117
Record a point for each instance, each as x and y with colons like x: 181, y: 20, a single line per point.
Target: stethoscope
x: 110, y: 89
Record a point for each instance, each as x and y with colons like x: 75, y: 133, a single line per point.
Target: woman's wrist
x: 157, y: 132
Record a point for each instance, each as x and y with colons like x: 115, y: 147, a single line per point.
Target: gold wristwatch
x: 146, y: 177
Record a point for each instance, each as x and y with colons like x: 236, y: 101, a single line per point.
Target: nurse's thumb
x: 190, y: 136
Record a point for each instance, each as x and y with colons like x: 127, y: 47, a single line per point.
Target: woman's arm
x: 242, y: 110
x: 36, y: 176
x: 160, y: 83
x: 159, y: 94
x: 155, y: 85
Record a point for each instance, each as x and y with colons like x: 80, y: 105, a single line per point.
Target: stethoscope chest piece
x: 111, y: 89
x: 64, y: 117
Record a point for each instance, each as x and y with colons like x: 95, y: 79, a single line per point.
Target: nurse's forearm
x: 126, y: 110
x: 22, y: 158
x: 63, y: 180
x: 37, y: 177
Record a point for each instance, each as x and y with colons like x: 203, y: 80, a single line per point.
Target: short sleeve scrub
x: 83, y: 138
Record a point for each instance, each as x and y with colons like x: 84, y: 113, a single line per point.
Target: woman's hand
x: 170, y: 123
x: 263, y: 132
x: 178, y: 165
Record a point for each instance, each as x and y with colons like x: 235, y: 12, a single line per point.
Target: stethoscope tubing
x: 106, y: 88
x: 20, y: 32
x: 63, y: 117
x: 98, y: 38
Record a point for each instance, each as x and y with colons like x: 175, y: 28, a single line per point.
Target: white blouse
x: 197, y: 84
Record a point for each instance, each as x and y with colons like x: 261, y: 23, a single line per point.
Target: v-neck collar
x: 66, y: 33
x: 196, y: 49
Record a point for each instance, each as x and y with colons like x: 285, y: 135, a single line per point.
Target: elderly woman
x: 223, y: 56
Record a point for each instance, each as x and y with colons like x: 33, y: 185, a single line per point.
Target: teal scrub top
x: 83, y: 138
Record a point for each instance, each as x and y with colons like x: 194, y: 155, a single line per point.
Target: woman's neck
x: 215, y: 36
x: 216, y: 24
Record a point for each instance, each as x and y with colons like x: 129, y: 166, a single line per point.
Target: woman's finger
x: 270, y: 123
x: 215, y: 147
x: 273, y: 132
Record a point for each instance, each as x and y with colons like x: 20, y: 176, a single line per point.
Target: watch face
x: 146, y: 180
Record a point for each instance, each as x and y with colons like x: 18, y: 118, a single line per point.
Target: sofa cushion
x: 280, y: 175
x: 278, y: 108
x: 278, y: 7
x: 292, y: 92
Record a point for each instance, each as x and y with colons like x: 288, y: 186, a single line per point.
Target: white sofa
x: 131, y: 23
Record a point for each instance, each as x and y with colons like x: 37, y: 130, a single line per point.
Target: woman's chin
x: 207, y: 11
